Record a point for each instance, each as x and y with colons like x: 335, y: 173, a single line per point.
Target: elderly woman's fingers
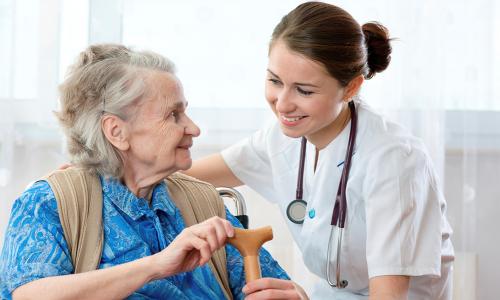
x: 225, y: 225
x: 229, y: 228
x: 191, y: 240
x: 186, y: 252
x: 196, y: 244
x: 224, y: 229
x: 221, y: 234
x: 209, y: 233
x: 204, y: 249
x: 215, y: 228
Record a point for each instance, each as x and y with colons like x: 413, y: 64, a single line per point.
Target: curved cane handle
x: 248, y: 242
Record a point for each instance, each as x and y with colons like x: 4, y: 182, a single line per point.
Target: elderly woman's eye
x: 175, y: 115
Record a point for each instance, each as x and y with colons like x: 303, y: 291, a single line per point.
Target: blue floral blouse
x: 35, y: 247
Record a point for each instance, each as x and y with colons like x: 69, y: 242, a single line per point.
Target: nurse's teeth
x: 291, y: 119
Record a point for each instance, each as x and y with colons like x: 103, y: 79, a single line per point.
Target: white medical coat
x: 395, y: 223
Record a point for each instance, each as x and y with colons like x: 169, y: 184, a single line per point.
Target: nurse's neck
x: 327, y: 134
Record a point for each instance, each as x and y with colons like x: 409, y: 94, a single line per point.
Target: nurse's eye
x: 304, y: 92
x: 274, y: 81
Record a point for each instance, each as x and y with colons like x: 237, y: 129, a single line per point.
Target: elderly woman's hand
x: 193, y: 247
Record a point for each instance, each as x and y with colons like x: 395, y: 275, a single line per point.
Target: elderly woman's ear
x: 116, y: 131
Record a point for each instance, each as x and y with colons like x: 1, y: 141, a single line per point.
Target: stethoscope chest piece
x: 296, y: 211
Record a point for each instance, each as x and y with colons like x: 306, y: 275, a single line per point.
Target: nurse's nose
x: 284, y: 102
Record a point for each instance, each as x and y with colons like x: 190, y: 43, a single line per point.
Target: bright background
x: 443, y: 84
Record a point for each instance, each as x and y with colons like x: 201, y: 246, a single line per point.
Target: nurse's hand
x: 64, y: 166
x: 272, y: 288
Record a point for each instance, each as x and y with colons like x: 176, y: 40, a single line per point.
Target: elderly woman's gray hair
x: 106, y: 79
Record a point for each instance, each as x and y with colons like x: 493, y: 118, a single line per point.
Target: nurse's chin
x: 292, y: 133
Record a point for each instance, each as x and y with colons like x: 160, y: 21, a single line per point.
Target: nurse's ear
x: 352, y: 88
x: 116, y: 131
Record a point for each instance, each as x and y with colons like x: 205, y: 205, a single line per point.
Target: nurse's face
x: 305, y: 98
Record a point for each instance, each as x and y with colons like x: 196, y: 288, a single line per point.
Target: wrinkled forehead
x: 164, y: 90
x: 163, y: 83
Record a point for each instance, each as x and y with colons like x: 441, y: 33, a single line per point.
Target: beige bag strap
x: 197, y: 202
x: 79, y: 202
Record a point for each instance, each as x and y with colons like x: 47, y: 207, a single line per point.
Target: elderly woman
x: 124, y: 115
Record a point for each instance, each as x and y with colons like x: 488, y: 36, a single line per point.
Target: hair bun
x: 379, y: 48
x: 96, y: 53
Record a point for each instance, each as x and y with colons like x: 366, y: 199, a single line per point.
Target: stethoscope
x: 296, y: 210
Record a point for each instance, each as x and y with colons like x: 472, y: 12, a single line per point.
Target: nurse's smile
x: 305, y: 98
x: 291, y: 121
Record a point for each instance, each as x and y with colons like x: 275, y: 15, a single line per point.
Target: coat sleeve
x: 403, y: 212
x: 249, y: 161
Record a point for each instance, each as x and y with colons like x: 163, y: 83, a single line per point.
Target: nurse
x: 395, y: 242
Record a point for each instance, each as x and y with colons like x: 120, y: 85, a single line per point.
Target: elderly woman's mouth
x: 185, y: 146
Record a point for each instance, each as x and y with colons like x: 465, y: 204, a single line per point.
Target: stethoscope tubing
x: 338, y: 283
x: 339, y: 213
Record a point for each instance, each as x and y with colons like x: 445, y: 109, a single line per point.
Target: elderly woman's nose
x: 191, y: 128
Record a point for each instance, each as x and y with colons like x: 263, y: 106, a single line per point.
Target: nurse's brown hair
x: 328, y: 34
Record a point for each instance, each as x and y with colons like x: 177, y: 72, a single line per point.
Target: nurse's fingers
x: 271, y: 288
x: 267, y: 283
x: 274, y: 294
x: 64, y: 166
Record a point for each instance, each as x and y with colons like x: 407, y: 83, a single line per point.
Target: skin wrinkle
x: 155, y: 135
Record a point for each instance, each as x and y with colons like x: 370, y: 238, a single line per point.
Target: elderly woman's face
x: 160, y: 133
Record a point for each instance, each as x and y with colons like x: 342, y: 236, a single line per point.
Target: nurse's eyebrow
x: 272, y: 73
x: 295, y: 83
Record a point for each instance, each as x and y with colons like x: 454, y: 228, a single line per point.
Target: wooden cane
x: 248, y: 242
